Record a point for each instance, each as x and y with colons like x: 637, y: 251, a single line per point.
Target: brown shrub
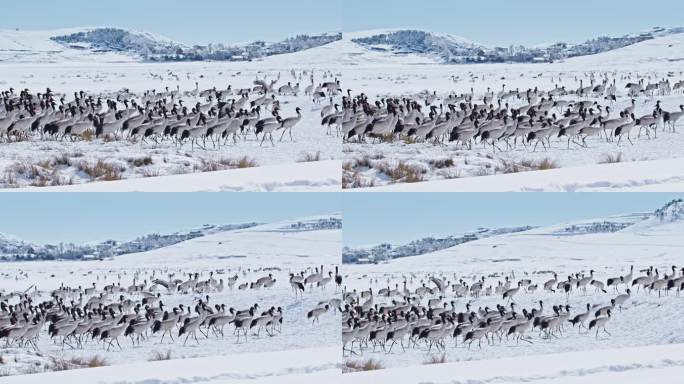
x: 61, y: 364
x: 402, y: 172
x: 101, y: 170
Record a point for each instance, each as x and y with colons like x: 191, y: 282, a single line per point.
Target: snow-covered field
x: 662, y: 364
x: 379, y: 75
x: 270, y: 249
x: 38, y: 161
x: 309, y: 363
x: 647, y: 317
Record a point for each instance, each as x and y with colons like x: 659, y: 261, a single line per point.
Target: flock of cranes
x: 200, y: 117
x: 105, y: 314
x: 506, y: 118
x: 428, y: 316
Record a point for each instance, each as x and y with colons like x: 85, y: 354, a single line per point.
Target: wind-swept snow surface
x: 243, y: 367
x: 662, y: 364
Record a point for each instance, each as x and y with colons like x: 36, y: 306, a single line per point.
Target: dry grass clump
x: 209, y: 165
x: 354, y: 179
x: 435, y: 359
x: 101, y: 170
x: 141, y: 161
x: 309, y: 157
x: 611, y: 158
x: 62, y: 364
x: 402, y: 172
x: 159, y: 356
x: 88, y: 135
x: 441, y: 163
x: 150, y: 172
x: 362, y: 365
x: 527, y: 165
x: 40, y: 174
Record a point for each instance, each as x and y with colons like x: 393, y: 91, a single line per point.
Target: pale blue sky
x: 78, y: 217
x: 187, y: 21
x: 374, y: 218
x: 494, y: 22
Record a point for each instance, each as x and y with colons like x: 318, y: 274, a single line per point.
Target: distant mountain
x: 450, y: 49
x: 117, y: 44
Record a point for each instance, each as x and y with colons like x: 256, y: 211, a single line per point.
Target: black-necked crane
x: 619, y: 300
x: 288, y: 123
x: 600, y: 323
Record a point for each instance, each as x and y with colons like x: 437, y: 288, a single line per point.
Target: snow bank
x: 320, y: 176
x: 652, y: 176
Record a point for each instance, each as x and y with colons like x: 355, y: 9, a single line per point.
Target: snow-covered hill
x: 180, y: 242
x: 269, y: 244
x: 537, y: 254
x: 450, y: 49
x: 107, y: 44
x: 643, y: 243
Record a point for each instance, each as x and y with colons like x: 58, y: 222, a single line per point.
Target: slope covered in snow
x: 111, y: 44
x: 37, y: 46
x: 223, y: 268
x: 267, y: 245
x: 537, y: 255
x: 401, y: 44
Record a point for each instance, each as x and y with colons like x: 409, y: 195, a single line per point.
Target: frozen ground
x: 646, y: 318
x: 379, y: 75
x: 70, y: 71
x: 267, y: 249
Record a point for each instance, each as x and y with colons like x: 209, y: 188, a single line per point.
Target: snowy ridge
x: 446, y: 48
x: 258, y: 245
x: 109, y: 44
x: 669, y: 216
x: 384, y: 252
x: 16, y: 249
